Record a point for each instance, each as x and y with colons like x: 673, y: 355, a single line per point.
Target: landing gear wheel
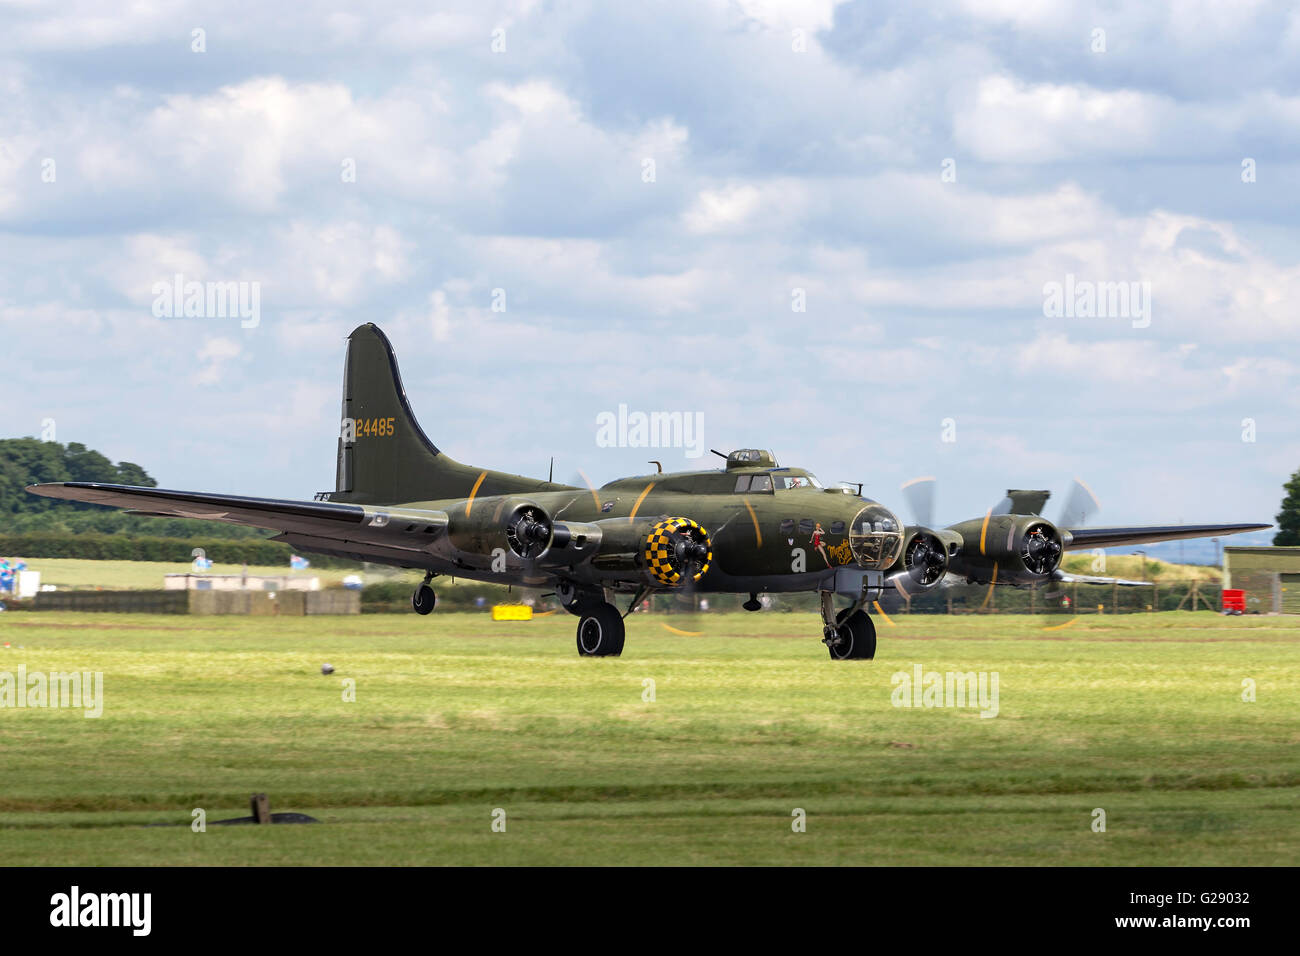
x: 855, y: 636
x: 600, y: 631
x: 424, y: 600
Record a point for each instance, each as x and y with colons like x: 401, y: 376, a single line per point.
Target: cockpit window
x: 797, y: 481
x: 761, y: 483
x: 742, y: 484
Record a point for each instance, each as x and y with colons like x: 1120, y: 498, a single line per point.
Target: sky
x: 842, y: 231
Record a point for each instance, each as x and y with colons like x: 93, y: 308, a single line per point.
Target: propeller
x: 919, y: 494
x: 1080, y: 505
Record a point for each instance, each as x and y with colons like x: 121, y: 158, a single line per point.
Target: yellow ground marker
x: 881, y: 612
x: 677, y: 630
x: 1057, y: 627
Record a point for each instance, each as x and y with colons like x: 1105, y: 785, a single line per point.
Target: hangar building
x: 1270, y: 576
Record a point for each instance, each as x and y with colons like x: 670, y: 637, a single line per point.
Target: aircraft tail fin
x: 384, y: 456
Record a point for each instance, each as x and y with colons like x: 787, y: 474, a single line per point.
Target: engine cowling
x: 664, y: 552
x: 517, y: 525
x: 677, y: 550
x: 924, y: 559
x: 1019, y: 549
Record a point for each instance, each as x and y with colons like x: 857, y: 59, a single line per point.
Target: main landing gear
x: 600, y: 624
x: 424, y: 600
x: 850, y: 634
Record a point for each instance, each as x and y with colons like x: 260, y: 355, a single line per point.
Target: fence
x: 256, y: 603
x: 1187, y: 595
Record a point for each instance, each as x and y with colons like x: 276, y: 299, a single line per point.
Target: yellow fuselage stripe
x: 985, y: 529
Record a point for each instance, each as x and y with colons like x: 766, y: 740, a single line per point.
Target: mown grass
x: 456, y: 716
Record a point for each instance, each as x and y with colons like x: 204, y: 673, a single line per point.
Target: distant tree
x: 1288, y: 519
x: 26, y: 461
x: 87, y: 465
x: 129, y: 473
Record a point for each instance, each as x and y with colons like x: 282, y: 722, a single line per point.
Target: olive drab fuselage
x: 765, y: 537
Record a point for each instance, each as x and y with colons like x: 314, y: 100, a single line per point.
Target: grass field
x: 455, y: 716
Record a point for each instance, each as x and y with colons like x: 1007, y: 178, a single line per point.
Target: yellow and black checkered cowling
x: 661, y: 557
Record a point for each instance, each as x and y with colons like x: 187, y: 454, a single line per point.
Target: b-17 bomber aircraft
x: 749, y: 527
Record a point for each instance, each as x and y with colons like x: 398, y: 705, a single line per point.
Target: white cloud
x: 774, y: 170
x: 214, y: 355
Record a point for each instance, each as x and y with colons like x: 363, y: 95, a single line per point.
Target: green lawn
x: 456, y: 716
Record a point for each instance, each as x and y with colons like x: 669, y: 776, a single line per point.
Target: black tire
x: 600, y: 632
x: 579, y: 603
x: 424, y: 600
x: 857, y: 634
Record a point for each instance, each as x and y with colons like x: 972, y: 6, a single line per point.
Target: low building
x: 239, y: 582
x: 1269, y: 575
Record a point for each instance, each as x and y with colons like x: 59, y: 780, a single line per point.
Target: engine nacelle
x: 503, y: 522
x: 665, y: 552
x: 924, y: 559
x: 1013, y: 549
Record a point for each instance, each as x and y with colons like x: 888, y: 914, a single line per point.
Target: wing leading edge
x: 272, y: 513
x: 1082, y: 538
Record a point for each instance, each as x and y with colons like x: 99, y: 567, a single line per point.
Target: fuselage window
x: 837, y: 527
x: 787, y: 526
x: 806, y: 526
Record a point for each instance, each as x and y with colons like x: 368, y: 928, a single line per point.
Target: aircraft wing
x: 1085, y: 538
x: 273, y: 513
x: 396, y: 536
